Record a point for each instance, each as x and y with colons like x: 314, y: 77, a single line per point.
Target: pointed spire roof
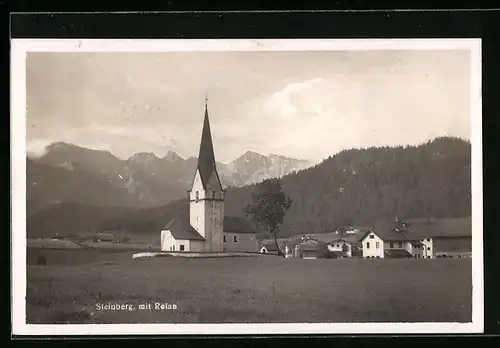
x: 206, y: 157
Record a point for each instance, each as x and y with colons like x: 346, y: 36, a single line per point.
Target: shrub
x: 42, y: 260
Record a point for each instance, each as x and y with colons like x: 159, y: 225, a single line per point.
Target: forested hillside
x: 362, y: 186
x: 353, y: 187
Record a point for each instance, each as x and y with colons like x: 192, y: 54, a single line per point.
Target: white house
x: 341, y: 246
x: 373, y: 245
x: 208, y: 229
x: 269, y: 248
x: 420, y: 239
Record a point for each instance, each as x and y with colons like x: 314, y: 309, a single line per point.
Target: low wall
x: 193, y: 255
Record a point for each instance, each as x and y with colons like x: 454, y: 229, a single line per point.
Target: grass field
x: 258, y: 289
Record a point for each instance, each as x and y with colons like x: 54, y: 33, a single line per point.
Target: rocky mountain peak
x: 172, y: 156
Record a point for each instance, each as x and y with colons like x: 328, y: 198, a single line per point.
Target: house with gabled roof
x: 207, y: 229
x: 268, y: 248
x: 341, y: 246
x: 422, y: 238
x: 179, y: 235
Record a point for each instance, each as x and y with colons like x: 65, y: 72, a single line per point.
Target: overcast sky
x: 305, y: 105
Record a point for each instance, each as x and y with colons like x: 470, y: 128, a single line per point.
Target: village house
x: 309, y: 249
x: 450, y: 237
x: 104, y: 237
x: 421, y: 239
x: 268, y: 248
x: 207, y: 229
x: 328, y: 244
x: 341, y: 247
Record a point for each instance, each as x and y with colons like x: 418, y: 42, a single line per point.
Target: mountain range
x: 353, y: 187
x: 70, y: 173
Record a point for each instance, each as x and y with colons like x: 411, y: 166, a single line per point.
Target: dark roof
x: 236, y: 224
x: 292, y: 243
x: 269, y: 246
x: 450, y: 227
x: 349, y: 238
x: 397, y: 253
x: 105, y: 234
x: 324, y: 237
x: 182, y: 229
x: 206, y: 158
x: 423, y: 228
x: 311, y: 244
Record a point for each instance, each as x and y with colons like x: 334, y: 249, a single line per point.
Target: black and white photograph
x: 279, y: 186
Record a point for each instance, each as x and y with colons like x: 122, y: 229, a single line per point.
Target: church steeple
x: 206, y: 157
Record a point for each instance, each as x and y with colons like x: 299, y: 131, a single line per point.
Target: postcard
x: 246, y: 186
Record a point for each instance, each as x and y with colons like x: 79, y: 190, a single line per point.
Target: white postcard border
x: 19, y: 49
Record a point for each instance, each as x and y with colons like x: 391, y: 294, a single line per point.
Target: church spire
x: 206, y: 157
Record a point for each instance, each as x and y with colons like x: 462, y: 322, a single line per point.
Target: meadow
x: 74, y: 285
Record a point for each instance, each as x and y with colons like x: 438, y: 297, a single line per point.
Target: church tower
x: 206, y: 197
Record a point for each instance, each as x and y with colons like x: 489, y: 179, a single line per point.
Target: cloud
x: 267, y: 102
x: 318, y: 117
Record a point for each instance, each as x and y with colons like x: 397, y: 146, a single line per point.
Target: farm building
x: 420, y: 239
x: 207, y: 229
x: 269, y: 248
x: 104, y: 237
x: 291, y: 248
x: 307, y: 248
x: 450, y: 237
x: 342, y: 247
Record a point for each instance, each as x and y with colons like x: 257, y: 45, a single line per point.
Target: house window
x: 197, y: 196
x: 235, y: 239
x: 225, y: 239
x: 391, y: 245
x: 181, y: 247
x: 173, y: 247
x: 400, y: 244
x: 213, y: 194
x: 372, y: 236
x: 377, y: 245
x: 367, y: 245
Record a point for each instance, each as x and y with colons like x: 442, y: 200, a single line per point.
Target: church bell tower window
x: 197, y: 196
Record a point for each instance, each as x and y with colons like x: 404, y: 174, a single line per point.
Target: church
x: 207, y: 229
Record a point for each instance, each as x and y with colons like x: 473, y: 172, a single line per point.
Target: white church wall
x: 169, y: 243
x: 196, y: 215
